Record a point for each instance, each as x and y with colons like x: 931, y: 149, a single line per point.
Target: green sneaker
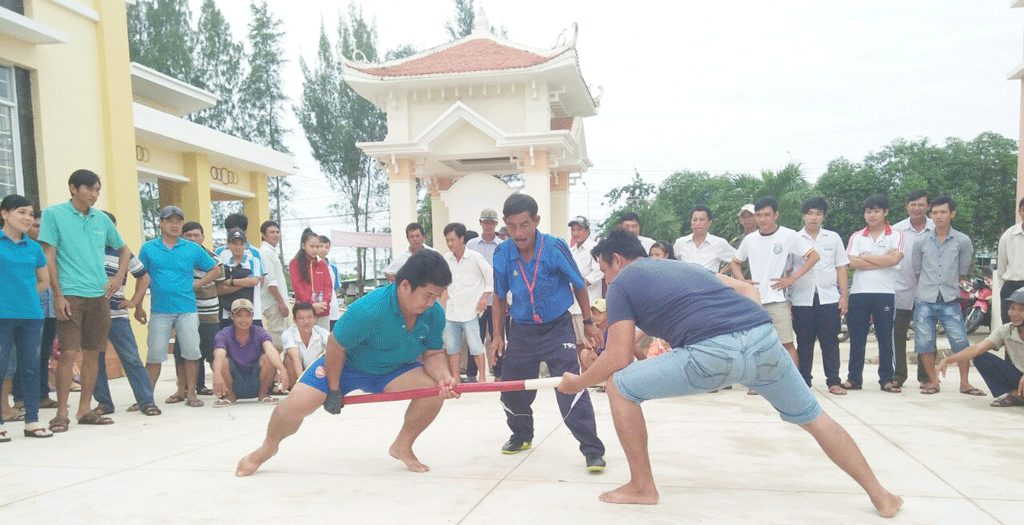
x: 515, y: 446
x: 595, y: 463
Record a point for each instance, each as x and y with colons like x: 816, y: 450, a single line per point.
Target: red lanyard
x: 531, y: 285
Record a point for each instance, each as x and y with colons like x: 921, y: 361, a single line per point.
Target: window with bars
x: 10, y: 180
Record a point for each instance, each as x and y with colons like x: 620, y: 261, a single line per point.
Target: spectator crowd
x: 227, y: 319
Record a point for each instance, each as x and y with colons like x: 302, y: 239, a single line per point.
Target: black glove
x: 335, y: 401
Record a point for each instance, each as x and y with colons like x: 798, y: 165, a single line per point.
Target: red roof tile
x: 473, y: 55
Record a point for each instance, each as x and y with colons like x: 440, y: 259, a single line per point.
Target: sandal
x: 4, y: 438
x: 59, y: 424
x: 973, y: 392
x: 223, y: 402
x: 37, y: 430
x: 92, y: 418
x: 102, y: 410
x: 1009, y: 400
x: 929, y: 390
x: 176, y: 398
x: 847, y: 385
x: 18, y: 416
x: 133, y: 408
x: 270, y: 401
x: 204, y: 391
x: 892, y: 387
x: 837, y: 390
x: 194, y: 403
x: 47, y: 403
x: 151, y: 410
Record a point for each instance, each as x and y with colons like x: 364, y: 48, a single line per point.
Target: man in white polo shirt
x: 303, y: 343
x: 874, y: 253
x: 820, y: 297
x: 916, y: 224
x: 580, y: 245
x: 701, y: 247
x: 472, y: 284
x: 768, y: 251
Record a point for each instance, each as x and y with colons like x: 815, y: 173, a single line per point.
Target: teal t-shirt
x: 81, y: 242
x: 373, y: 333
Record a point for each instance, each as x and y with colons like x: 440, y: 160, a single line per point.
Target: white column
x: 402, y: 186
x: 538, y: 186
x: 560, y: 205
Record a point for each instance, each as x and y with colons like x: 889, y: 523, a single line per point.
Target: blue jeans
x: 123, y: 339
x: 925, y: 316
x: 20, y: 337
x: 453, y: 337
x: 865, y: 309
x: 754, y: 358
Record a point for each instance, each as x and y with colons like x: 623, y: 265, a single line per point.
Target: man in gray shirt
x: 939, y: 258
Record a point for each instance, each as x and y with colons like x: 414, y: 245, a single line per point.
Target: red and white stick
x: 462, y: 388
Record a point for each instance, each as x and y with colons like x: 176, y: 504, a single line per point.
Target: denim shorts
x: 316, y: 377
x: 186, y: 334
x: 245, y: 383
x: 755, y: 358
x: 453, y: 337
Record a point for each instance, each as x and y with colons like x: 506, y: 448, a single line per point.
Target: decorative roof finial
x: 480, y: 21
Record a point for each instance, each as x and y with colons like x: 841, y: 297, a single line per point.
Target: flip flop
x: 92, y: 418
x: 847, y: 385
x: 102, y: 410
x: 270, y: 401
x: 47, y: 403
x: 929, y: 390
x: 973, y: 392
x: 837, y: 390
x: 151, y: 410
x: 59, y: 424
x: 194, y: 403
x: 204, y: 391
x: 1008, y: 400
x: 37, y: 430
x: 18, y: 416
x: 221, y: 403
x: 174, y: 399
x: 892, y: 387
x: 133, y: 408
x: 4, y: 438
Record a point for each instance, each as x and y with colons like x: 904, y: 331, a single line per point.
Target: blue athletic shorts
x: 316, y: 377
x: 755, y: 358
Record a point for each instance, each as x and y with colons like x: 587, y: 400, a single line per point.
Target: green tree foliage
x: 463, y: 22
x: 219, y: 61
x: 335, y: 118
x: 161, y: 37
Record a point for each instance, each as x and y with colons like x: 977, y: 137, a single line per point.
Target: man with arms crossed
x: 472, y: 284
x: 74, y: 236
x: 874, y: 253
x: 377, y: 346
x: 720, y: 336
x: 701, y: 247
x: 939, y: 258
x: 820, y: 297
x: 541, y: 274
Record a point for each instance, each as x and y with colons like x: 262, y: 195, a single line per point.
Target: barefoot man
x: 682, y: 303
x: 374, y: 348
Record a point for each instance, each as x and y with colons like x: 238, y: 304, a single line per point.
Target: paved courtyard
x: 719, y: 458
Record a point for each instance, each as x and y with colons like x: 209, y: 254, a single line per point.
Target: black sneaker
x: 515, y: 446
x: 595, y: 463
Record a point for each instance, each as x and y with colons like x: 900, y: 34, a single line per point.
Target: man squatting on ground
x: 374, y: 348
x: 683, y: 303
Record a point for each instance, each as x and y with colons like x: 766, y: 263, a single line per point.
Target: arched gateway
x: 462, y: 113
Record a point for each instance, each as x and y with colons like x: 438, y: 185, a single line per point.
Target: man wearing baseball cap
x: 580, y: 245
x: 171, y: 262
x: 1003, y: 376
x: 245, y: 360
x: 748, y: 224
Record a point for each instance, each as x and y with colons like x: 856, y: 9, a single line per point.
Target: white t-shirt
x: 317, y: 343
x: 711, y: 254
x: 881, y: 280
x: 822, y: 278
x: 335, y: 309
x: 399, y: 261
x: 646, y: 242
x: 769, y: 258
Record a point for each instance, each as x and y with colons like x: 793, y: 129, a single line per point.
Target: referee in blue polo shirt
x: 543, y: 277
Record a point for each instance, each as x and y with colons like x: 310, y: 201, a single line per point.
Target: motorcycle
x: 979, y: 304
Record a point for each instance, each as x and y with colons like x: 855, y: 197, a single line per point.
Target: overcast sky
x: 736, y: 86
